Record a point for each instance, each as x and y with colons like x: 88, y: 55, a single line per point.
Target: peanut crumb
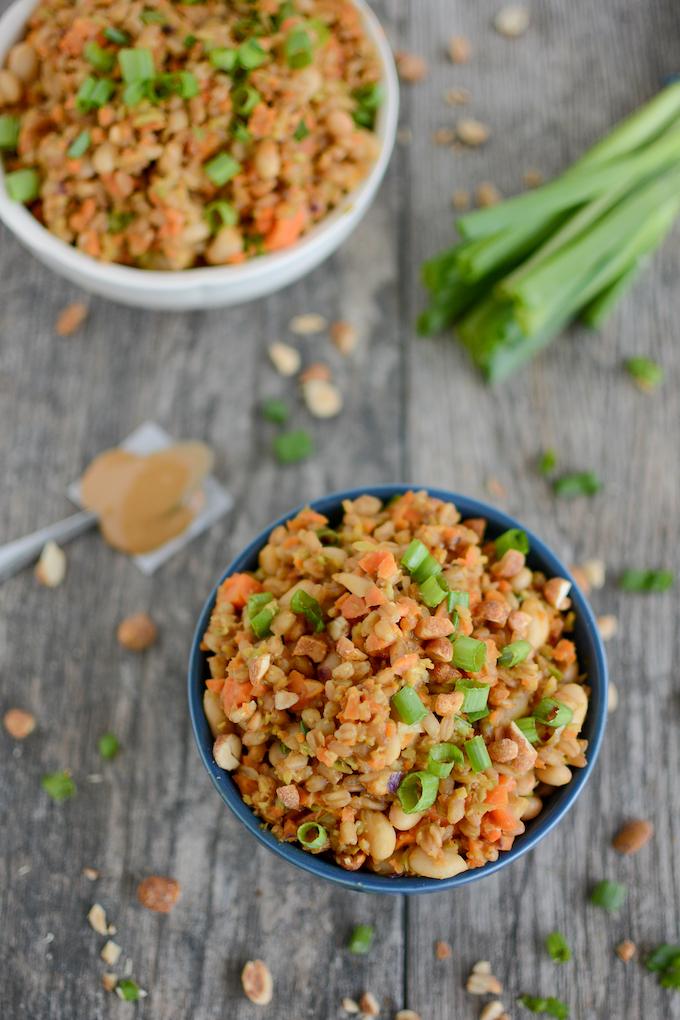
x: 257, y: 982
x: 90, y: 873
x: 460, y: 200
x: 608, y: 626
x: 411, y: 67
x: 612, y: 697
x: 50, y: 569
x: 317, y: 370
x: 512, y: 21
x: 442, y: 950
x: 345, y: 336
x: 71, y: 318
x: 407, y: 1014
x: 471, y: 132
x: 97, y: 919
x: 109, y: 981
x: 482, y: 982
x: 323, y: 399
x: 286, y: 359
x: 459, y: 49
x: 158, y: 893
x: 137, y: 632
x: 626, y: 950
x: 349, y: 1005
x: 110, y: 953
x: 308, y: 324
x: 532, y: 178
x: 457, y: 97
x: 487, y: 194
x: 368, y: 1004
x: 496, y: 488
x: 444, y: 136
x: 493, y: 1011
x: 18, y: 723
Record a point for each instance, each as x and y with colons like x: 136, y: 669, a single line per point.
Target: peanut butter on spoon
x: 143, y: 502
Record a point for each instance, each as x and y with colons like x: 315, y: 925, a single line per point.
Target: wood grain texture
x: 414, y: 410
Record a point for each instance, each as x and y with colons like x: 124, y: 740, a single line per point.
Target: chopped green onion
x: 414, y: 554
x: 475, y: 696
x: 646, y: 580
x: 442, y: 758
x: 128, y: 990
x: 223, y: 59
x: 408, y: 706
x: 301, y: 131
x: 312, y: 835
x: 328, y: 536
x: 135, y: 92
x: 551, y: 1006
x: 558, y: 947
x: 257, y: 602
x: 431, y: 592
x: 251, y: 54
x: 245, y: 98
x: 514, y: 653
x: 79, y: 145
x: 474, y: 717
x: 9, y: 132
x: 547, y: 462
x: 609, y: 895
x: 645, y: 372
x: 23, y: 185
x: 136, y: 64
x: 262, y: 621
x: 151, y: 17
x: 428, y: 568
x: 457, y: 598
x: 221, y: 169
x: 527, y: 725
x: 94, y: 93
x: 220, y: 214
x: 369, y: 99
x: 58, y: 785
x: 101, y: 60
x: 118, y: 221
x: 417, y: 792
x: 553, y: 713
x: 189, y: 41
x: 478, y: 756
x: 292, y: 447
x: 361, y: 939
x: 320, y: 29
x: 116, y: 35
x: 240, y: 131
x: 183, y: 83
x: 307, y: 605
x: 462, y: 727
x: 578, y: 483
x: 275, y: 410
x: 469, y: 654
x: 513, y: 538
x: 108, y: 745
x: 298, y: 49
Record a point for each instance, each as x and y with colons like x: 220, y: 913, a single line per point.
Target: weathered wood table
x: 414, y: 410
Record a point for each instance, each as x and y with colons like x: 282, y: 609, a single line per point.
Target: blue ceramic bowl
x: 591, y: 655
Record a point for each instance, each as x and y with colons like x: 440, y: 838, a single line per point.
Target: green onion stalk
x: 528, y: 266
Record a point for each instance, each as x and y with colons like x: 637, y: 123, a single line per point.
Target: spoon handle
x: 15, y: 555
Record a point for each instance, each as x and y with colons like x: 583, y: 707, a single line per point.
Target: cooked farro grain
x: 386, y: 710
x: 165, y: 136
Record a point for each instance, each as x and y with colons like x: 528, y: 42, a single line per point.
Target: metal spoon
x: 17, y: 554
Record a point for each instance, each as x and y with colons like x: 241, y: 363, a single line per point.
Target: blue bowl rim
x: 317, y: 865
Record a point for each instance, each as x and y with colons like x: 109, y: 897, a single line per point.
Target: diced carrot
x: 375, y: 597
x: 380, y: 563
x: 404, y: 663
x: 75, y: 38
x: 506, y: 821
x: 306, y: 690
x: 306, y: 519
x: 235, y: 694
x: 237, y: 589
x: 262, y: 119
x: 215, y: 685
x: 405, y: 838
x: 246, y: 785
x: 354, y: 708
x: 375, y: 644
x: 498, y: 797
x: 564, y: 652
x: 490, y: 831
x: 352, y: 607
x: 285, y: 231
x: 326, y: 757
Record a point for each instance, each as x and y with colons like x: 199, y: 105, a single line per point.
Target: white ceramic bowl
x: 209, y: 287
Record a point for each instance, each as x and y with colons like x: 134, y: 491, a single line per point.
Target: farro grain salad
x: 396, y: 690
x: 166, y: 135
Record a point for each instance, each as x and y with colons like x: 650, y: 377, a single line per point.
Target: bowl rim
x: 21, y: 222
x: 562, y: 800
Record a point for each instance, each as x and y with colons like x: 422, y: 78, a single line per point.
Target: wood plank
x: 546, y: 97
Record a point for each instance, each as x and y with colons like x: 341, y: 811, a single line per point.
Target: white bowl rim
x: 39, y: 239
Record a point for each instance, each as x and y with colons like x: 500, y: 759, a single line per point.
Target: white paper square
x: 149, y: 438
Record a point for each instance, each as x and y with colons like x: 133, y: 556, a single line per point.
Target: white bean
x: 575, y: 697
x: 530, y: 808
x: 212, y: 707
x: 539, y: 628
x: 448, y: 865
x: 227, y: 751
x: 267, y: 159
x: 380, y: 835
x: 339, y: 123
x: 10, y: 88
x: 555, y: 775
x: 227, y: 243
x: 400, y: 820
x: 23, y: 61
